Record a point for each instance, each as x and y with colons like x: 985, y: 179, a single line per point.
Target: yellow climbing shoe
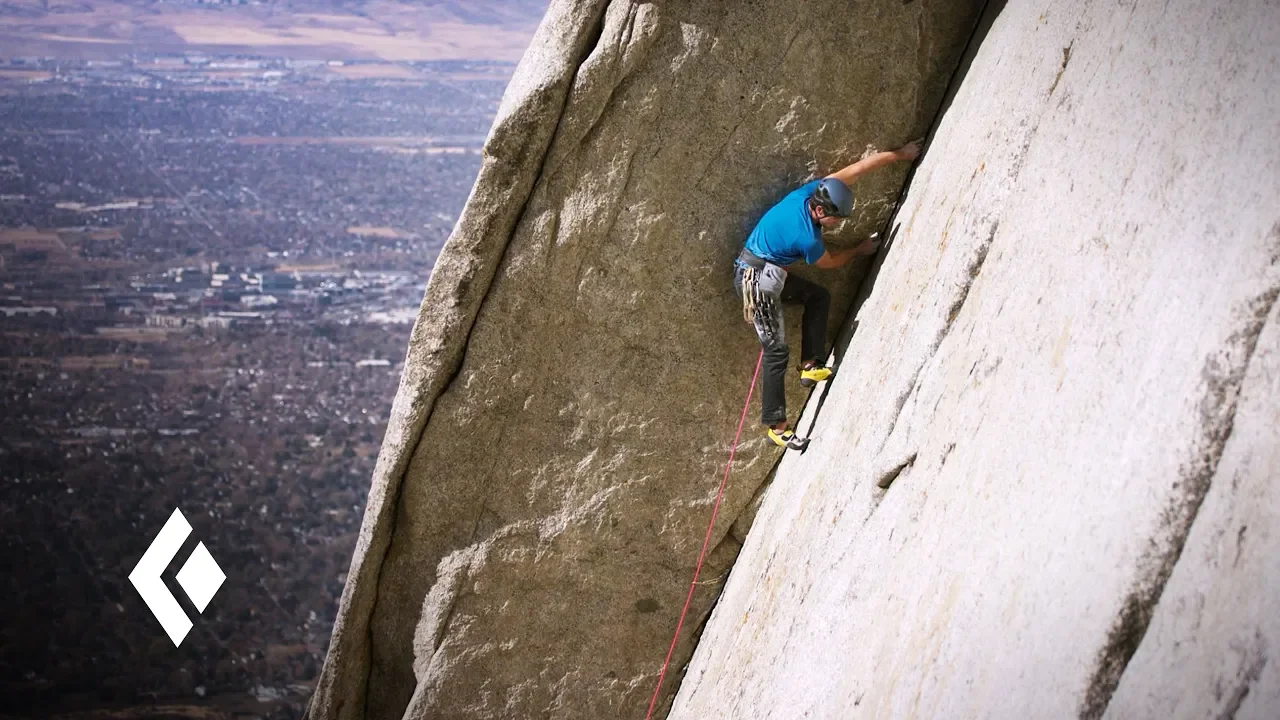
x: 788, y: 439
x: 814, y: 375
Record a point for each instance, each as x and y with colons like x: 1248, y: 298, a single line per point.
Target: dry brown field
x: 136, y: 334
x: 379, y: 232
x: 367, y: 71
x: 385, y: 30
x: 91, y: 362
x: 23, y: 362
x: 32, y: 239
x: 26, y: 75
x: 326, y: 267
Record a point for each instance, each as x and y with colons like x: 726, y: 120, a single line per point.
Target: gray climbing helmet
x: 834, y: 197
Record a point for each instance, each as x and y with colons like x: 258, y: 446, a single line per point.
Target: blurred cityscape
x: 209, y: 268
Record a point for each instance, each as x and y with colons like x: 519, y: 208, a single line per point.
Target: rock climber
x: 790, y: 231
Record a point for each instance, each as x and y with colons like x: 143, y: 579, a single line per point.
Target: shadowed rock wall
x: 574, y: 378
x: 1071, y: 354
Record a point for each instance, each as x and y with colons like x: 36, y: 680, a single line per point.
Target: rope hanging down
x: 706, y: 540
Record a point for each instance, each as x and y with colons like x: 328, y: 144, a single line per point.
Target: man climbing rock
x: 788, y: 232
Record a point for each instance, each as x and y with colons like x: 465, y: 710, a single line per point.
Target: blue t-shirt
x: 786, y: 233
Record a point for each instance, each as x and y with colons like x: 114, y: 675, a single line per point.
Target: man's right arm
x: 837, y: 259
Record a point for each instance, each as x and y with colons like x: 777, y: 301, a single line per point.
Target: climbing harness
x: 707, y: 539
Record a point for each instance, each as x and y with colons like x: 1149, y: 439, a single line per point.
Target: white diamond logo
x: 200, y: 577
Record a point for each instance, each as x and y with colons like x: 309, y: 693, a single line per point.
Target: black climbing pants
x: 774, y: 286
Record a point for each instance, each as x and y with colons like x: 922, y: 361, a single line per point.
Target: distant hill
x: 316, y: 29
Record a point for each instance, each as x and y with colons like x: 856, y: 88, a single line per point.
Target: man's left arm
x: 849, y: 174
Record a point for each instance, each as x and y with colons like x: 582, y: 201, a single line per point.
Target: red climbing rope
x: 706, y: 540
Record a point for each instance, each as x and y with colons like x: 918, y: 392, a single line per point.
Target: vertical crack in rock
x: 985, y: 18
x: 900, y: 402
x: 1066, y: 58
x: 439, y: 605
x: 886, y: 475
x: 922, y: 56
x: 619, y: 61
x: 983, y: 21
x: 438, y: 609
x: 593, y: 36
x: 741, y: 525
x: 599, y: 65
x: 728, y: 544
x: 817, y: 410
x: 973, y: 269
x: 743, y: 521
x: 1223, y: 375
x: 732, y: 541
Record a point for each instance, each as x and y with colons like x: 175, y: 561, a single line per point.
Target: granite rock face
x: 580, y: 360
x: 1065, y: 370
